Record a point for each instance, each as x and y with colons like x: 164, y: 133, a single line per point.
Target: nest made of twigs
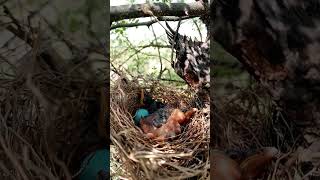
x: 249, y: 120
x: 183, y: 157
x: 48, y: 123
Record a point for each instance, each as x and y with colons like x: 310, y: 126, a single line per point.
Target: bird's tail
x: 178, y: 41
x: 172, y: 35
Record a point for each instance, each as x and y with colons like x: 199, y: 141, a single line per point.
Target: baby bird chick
x: 223, y: 167
x: 157, y: 128
x: 255, y: 165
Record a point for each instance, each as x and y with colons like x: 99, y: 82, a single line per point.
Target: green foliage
x: 137, y: 60
x: 82, y: 18
x: 145, y: 62
x: 163, y: 1
x: 120, y: 30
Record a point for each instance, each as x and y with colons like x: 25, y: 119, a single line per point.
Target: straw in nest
x: 184, y: 157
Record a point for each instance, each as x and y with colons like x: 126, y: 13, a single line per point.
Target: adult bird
x: 192, y: 61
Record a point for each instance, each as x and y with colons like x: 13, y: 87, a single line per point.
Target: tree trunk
x: 278, y: 43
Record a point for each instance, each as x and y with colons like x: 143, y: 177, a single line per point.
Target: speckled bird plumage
x: 192, y: 59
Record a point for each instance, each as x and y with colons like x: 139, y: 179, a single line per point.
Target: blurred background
x: 61, y: 23
x: 144, y: 51
x: 53, y: 68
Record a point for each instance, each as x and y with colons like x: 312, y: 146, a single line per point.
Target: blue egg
x: 95, y: 162
x: 141, y: 113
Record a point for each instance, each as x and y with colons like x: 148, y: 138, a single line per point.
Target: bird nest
x: 249, y: 120
x: 184, y: 157
x: 48, y: 124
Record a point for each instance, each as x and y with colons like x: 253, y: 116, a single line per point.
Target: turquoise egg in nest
x: 95, y: 165
x: 140, y: 113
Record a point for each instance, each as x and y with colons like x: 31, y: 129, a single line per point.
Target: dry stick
x: 59, y: 33
x: 140, y: 10
x: 63, y: 167
x: 12, y: 158
x: 198, y: 28
x: 5, y: 170
x: 46, y: 104
x: 174, y: 40
x: 149, y: 155
x: 9, y: 154
x: 309, y: 173
x: 289, y: 175
x: 159, y: 54
x: 190, y: 172
x: 149, y: 23
x: 54, y: 158
x: 248, y: 129
x: 277, y: 164
x: 32, y: 167
x: 155, y: 45
x: 148, y: 11
x: 121, y: 148
x: 30, y: 146
x: 14, y: 20
x: 145, y: 170
x: 139, y: 51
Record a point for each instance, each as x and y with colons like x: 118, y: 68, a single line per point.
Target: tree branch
x: 149, y: 23
x: 155, y: 9
x: 155, y: 45
x: 158, y: 48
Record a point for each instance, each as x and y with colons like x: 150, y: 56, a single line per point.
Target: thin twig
x: 149, y: 23
x: 277, y: 164
x: 198, y: 28
x: 12, y: 158
x: 174, y: 42
x: 159, y: 54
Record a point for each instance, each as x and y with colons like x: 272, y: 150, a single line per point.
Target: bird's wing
x: 192, y: 59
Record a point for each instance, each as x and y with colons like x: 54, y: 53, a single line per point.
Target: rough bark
x: 278, y: 42
x: 157, y: 9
